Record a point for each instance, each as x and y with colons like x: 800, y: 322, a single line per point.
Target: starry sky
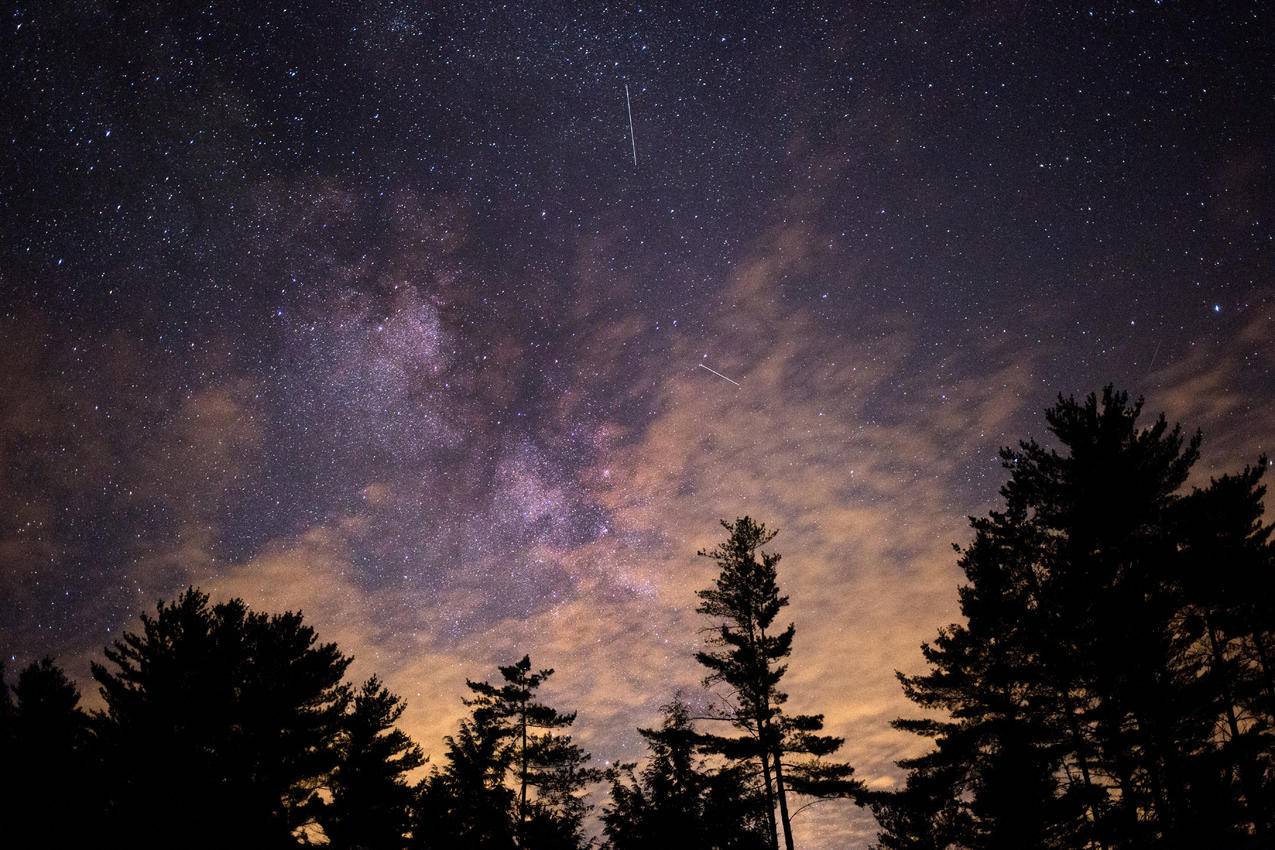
x: 365, y: 309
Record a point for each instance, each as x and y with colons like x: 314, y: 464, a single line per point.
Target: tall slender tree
x: 547, y: 768
x: 371, y: 801
x: 746, y: 652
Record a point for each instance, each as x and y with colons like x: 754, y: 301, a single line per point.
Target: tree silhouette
x: 511, y: 734
x: 466, y: 803
x: 746, y: 653
x: 677, y: 802
x: 927, y: 813
x: 1106, y: 689
x: 1229, y: 614
x: 371, y: 802
x: 998, y: 749
x: 221, y: 724
x: 46, y: 757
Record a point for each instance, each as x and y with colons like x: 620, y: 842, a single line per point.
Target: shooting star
x: 719, y: 374
x: 628, y: 104
x: 1154, y: 354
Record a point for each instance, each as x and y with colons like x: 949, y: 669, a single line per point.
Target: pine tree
x: 927, y: 813
x: 47, y: 757
x: 1227, y: 577
x: 678, y: 802
x: 999, y: 749
x: 465, y: 804
x: 746, y: 653
x: 221, y: 725
x: 371, y: 803
x: 548, y: 769
x: 1100, y: 692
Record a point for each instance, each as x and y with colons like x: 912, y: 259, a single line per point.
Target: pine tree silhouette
x: 46, y: 760
x: 466, y: 803
x: 221, y: 725
x: 511, y: 734
x: 746, y: 653
x: 1105, y: 689
x: 678, y: 802
x: 371, y: 802
x: 1227, y: 577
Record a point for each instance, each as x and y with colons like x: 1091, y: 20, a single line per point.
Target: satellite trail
x: 719, y: 374
x: 629, y: 105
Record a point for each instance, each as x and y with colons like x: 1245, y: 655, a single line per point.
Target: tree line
x: 226, y: 727
x: 1111, y: 686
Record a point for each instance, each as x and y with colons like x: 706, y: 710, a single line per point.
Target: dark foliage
x: 46, y: 760
x: 466, y: 804
x: 371, y: 801
x: 221, y: 717
x: 678, y: 802
x: 1111, y: 684
x: 510, y: 735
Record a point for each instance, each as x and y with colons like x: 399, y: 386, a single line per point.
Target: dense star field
x: 366, y: 310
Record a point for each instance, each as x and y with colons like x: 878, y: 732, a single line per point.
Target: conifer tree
x: 220, y: 724
x: 677, y: 801
x: 370, y: 800
x: 548, y: 770
x: 465, y: 804
x: 1101, y: 691
x: 999, y: 749
x: 747, y: 652
x: 927, y: 813
x: 1227, y: 576
x: 47, y: 755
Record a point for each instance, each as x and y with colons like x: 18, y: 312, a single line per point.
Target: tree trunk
x: 783, y: 802
x: 770, y: 800
x: 522, y: 797
x: 763, y: 739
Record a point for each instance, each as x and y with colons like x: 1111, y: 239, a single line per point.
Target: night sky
x: 367, y: 310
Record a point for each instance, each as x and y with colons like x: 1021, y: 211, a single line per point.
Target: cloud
x: 828, y: 440
x: 391, y: 472
x: 1218, y: 387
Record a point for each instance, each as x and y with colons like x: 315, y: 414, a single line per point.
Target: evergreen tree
x: 512, y: 735
x: 221, y: 724
x: 746, y: 653
x: 926, y: 814
x: 1227, y: 577
x: 999, y: 746
x: 371, y: 803
x: 1103, y: 691
x: 47, y: 758
x: 466, y: 805
x: 677, y: 802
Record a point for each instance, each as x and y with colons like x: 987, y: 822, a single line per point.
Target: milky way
x: 368, y: 310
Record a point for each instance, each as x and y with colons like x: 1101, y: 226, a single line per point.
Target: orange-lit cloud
x: 866, y: 447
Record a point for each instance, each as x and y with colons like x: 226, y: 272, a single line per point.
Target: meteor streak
x: 629, y: 105
x: 719, y: 374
